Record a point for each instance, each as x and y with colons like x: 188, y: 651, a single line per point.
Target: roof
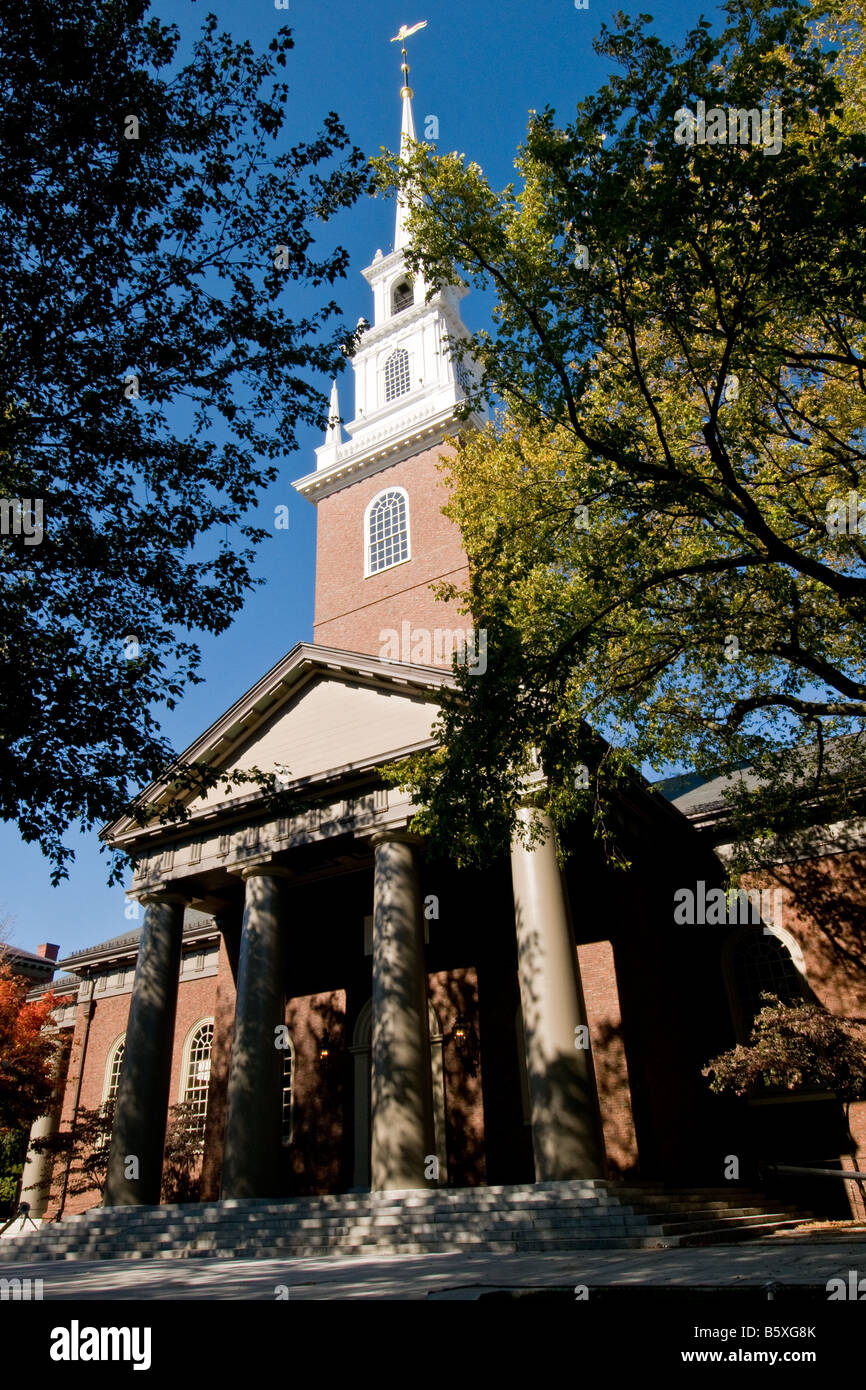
x: 703, y: 798
x: 695, y: 795
x: 194, y: 924
x: 17, y: 953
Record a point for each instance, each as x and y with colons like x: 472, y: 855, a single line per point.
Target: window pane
x: 764, y: 966
x: 388, y: 531
x: 198, y: 1073
x: 397, y: 381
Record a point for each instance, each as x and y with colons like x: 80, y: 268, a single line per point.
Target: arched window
x: 403, y: 296
x: 288, y: 1092
x: 397, y: 379
x: 464, y: 377
x: 113, y: 1067
x: 760, y: 962
x: 112, y: 1071
x: 387, y: 530
x: 196, y: 1072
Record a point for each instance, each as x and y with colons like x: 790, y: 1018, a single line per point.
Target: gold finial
x: 400, y: 37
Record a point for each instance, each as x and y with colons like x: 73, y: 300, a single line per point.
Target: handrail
x: 844, y: 1173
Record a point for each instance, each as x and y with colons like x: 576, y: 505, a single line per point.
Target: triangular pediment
x: 319, y: 716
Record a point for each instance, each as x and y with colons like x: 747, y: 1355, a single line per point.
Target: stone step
x: 570, y: 1215
x: 728, y: 1223
x: 723, y: 1236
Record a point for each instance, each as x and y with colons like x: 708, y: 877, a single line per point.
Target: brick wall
x: 824, y: 909
x: 314, y: 1159
x: 352, y: 611
x: 604, y: 1019
x: 196, y: 1000
x: 453, y: 994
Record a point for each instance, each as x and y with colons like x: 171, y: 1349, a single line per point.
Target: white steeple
x: 334, y: 432
x: 407, y: 383
x: 407, y: 137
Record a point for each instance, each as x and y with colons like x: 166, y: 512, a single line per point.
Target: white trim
x: 816, y: 842
x: 287, y: 1139
x: 109, y: 1066
x: 371, y: 574
x: 187, y: 1048
x: 742, y: 1027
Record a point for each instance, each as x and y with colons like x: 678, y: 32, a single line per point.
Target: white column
x: 402, y: 1140
x: 566, y: 1126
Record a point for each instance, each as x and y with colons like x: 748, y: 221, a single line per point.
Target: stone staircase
x: 577, y: 1215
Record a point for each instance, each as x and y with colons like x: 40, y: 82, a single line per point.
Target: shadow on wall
x: 454, y: 996
x: 317, y: 1025
x: 614, y: 1095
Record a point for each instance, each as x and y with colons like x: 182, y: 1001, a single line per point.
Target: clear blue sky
x: 480, y: 68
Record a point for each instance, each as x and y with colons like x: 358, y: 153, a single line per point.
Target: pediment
x: 320, y: 715
x: 329, y: 727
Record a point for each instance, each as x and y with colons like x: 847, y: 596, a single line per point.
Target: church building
x: 347, y: 1014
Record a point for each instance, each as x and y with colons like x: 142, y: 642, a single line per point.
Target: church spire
x: 407, y: 131
x: 333, y: 434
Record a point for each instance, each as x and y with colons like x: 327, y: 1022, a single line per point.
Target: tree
x: 27, y: 1053
x: 13, y: 1151
x: 153, y: 217
x: 800, y: 1047
x: 663, y: 521
x: 181, y: 1174
x: 84, y: 1148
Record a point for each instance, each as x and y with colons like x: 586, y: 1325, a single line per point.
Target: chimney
x: 48, y: 951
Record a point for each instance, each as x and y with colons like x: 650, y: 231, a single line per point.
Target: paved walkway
x: 784, y: 1260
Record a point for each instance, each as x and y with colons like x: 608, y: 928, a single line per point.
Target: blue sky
x: 479, y: 69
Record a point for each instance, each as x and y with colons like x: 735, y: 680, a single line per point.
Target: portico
x: 257, y: 874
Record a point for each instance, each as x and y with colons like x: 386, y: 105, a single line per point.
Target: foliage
x: 27, y: 1053
x: 86, y: 1150
x: 677, y: 367
x: 799, y: 1047
x: 151, y: 376
x: 13, y: 1151
x: 181, y: 1174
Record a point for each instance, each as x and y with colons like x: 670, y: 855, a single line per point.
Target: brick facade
x: 351, y: 610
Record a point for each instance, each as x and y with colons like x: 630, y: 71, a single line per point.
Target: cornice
x: 392, y: 443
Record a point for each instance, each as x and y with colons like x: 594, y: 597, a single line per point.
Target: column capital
x: 386, y: 835
x: 263, y: 869
x: 161, y: 893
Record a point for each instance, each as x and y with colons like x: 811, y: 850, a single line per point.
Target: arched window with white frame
x: 113, y: 1067
x: 402, y: 295
x: 397, y: 376
x: 195, y: 1072
x: 386, y: 531
x: 111, y: 1082
x: 762, y: 960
